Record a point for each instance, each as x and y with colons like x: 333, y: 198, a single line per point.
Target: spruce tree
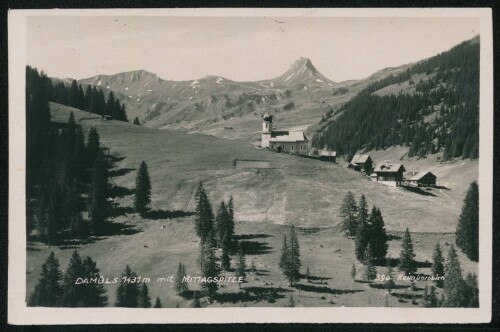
x: 467, y: 233
x: 291, y: 259
x: 438, y: 266
x: 406, y: 256
x: 94, y: 293
x: 221, y: 226
x: 432, y: 297
x: 389, y: 284
x: 110, y: 104
x: 210, y: 269
x: 230, y: 212
x: 127, y: 293
x: 284, y: 254
x: 204, y: 217
x: 453, y: 283
x: 142, y: 189
x: 378, y: 236
x: 48, y: 290
x: 143, y: 300
x: 348, y: 213
x: 370, y: 270
x: 181, y: 286
x: 93, y: 146
x: 240, y: 267
x: 157, y: 303
x: 74, y: 96
x: 136, y: 121
x: 74, y: 293
x: 98, y: 205
x: 196, y: 301
x: 471, y: 293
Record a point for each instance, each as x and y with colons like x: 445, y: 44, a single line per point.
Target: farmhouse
x: 283, y: 140
x: 362, y: 163
x: 390, y: 174
x: 327, y: 155
x: 422, y: 179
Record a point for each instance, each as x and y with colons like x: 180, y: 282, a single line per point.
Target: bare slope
x: 295, y: 190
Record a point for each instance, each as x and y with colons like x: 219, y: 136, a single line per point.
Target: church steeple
x: 267, y: 128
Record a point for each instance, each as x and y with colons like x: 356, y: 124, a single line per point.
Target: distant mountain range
x: 158, y: 102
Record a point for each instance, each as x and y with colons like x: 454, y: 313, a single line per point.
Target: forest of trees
x: 467, y: 234
x: 450, y: 93
x: 67, y: 173
x: 93, y: 100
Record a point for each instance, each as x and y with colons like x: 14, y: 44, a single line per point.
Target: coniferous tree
x: 98, y: 205
x: 204, y: 216
x: 290, y: 257
x: 348, y: 212
x: 406, y: 256
x: 127, y: 293
x: 196, y: 301
x: 378, y: 236
x: 94, y: 294
x: 240, y: 267
x: 221, y: 226
x: 291, y: 302
x: 471, y: 293
x: 467, y: 234
x: 110, y: 104
x: 181, y: 286
x: 438, y: 266
x: 73, y: 293
x: 88, y: 98
x: 230, y: 212
x: 48, y: 290
x: 157, y: 303
x: 142, y: 189
x: 370, y: 270
x: 74, y: 96
x: 389, y: 284
x: 453, y: 283
x: 143, y: 300
x: 136, y: 121
x: 210, y: 269
x: 93, y: 146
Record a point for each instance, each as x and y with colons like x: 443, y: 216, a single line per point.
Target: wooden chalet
x: 390, y: 173
x: 327, y: 155
x: 362, y: 163
x: 422, y: 179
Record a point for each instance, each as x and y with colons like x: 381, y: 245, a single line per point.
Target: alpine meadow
x: 297, y: 191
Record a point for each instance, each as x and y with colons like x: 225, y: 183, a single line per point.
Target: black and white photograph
x: 271, y: 165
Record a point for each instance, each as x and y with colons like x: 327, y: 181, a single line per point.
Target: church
x: 283, y: 140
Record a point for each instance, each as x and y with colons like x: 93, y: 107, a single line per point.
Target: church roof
x: 291, y: 136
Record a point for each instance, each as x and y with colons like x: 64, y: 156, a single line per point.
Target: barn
x: 423, y: 179
x: 327, y: 155
x: 389, y: 173
x: 362, y: 163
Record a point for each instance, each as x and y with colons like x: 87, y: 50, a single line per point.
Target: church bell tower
x: 267, y: 127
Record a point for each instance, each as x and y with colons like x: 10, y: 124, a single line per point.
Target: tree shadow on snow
x: 419, y: 191
x: 254, y: 247
x: 324, y: 289
x: 166, y: 214
x: 118, y: 191
x: 121, y: 172
x: 250, y: 236
x: 117, y: 228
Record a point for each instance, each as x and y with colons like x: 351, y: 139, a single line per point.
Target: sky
x: 237, y: 48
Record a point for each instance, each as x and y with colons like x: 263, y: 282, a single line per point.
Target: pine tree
x: 127, y: 293
x: 143, y: 300
x: 348, y: 213
x: 142, y: 189
x: 453, y: 283
x: 221, y: 226
x: 136, y: 121
x: 370, y: 270
x: 157, y: 303
x: 290, y: 259
x: 438, y: 266
x: 406, y: 256
x: 432, y: 297
x: 467, y: 234
x: 471, y: 293
x: 48, y: 290
x: 210, y: 269
x: 204, y: 217
x: 230, y: 212
x: 94, y: 294
x: 73, y: 293
x: 110, y: 104
x: 98, y: 205
x: 181, y: 286
x: 74, y: 96
x: 196, y: 301
x: 93, y: 146
x: 378, y: 236
x: 240, y: 267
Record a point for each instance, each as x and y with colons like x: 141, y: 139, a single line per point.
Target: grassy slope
x: 299, y: 191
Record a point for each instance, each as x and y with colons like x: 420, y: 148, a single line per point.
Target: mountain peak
x: 302, y: 71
